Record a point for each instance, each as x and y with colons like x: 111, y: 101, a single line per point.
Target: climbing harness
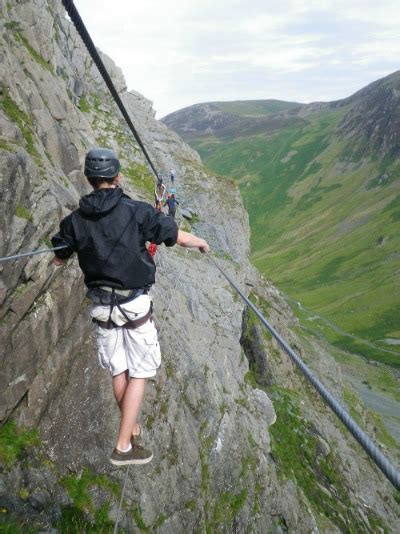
x: 367, y: 444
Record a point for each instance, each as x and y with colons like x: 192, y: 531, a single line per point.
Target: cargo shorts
x: 120, y: 349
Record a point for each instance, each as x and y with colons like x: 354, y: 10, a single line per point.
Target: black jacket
x: 109, y: 231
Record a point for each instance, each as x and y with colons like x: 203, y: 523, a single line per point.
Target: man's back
x: 109, y: 233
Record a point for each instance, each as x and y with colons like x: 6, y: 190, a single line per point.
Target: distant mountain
x: 321, y: 183
x: 226, y: 119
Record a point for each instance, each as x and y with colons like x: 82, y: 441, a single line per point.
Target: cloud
x: 179, y: 52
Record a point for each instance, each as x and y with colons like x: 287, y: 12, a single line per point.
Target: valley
x: 321, y: 185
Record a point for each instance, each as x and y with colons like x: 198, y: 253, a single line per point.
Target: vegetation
x: 21, y: 119
x: 23, y: 213
x: 256, y: 108
x: 10, y: 523
x: 139, y: 176
x: 84, y: 105
x: 5, y: 146
x: 324, y: 221
x: 33, y: 53
x: 14, y: 27
x: 295, y: 448
x: 15, y: 442
x: 82, y: 515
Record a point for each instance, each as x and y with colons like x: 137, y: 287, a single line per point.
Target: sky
x: 182, y: 52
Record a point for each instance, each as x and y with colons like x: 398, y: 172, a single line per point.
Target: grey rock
x: 187, y: 214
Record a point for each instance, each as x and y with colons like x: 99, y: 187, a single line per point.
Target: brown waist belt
x: 129, y: 324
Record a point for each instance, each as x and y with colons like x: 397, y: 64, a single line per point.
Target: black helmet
x: 101, y: 163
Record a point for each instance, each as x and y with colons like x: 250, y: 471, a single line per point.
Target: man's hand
x: 57, y: 262
x: 204, y: 247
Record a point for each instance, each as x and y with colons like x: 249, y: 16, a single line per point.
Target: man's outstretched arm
x: 190, y: 240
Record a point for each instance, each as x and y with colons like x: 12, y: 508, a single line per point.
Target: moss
x: 150, y: 421
x: 14, y: 442
x: 225, y: 509
x: 12, y: 524
x: 78, y: 488
x: 206, y: 442
x: 140, y: 177
x: 243, y: 402
x: 73, y: 521
x: 33, y: 53
x: 170, y: 369
x: 396, y: 496
x: 190, y: 505
x: 65, y: 181
x: 137, y: 516
x: 13, y: 25
x: 159, y: 521
x: 223, y: 408
x: 45, y: 240
x: 294, y: 446
x: 21, y: 119
x: 5, y: 146
x: 185, y: 226
x: 164, y: 408
x: 82, y: 515
x: 23, y: 213
x: 84, y: 105
x: 20, y: 290
x: 102, y: 140
x: 24, y: 493
x: 251, y: 379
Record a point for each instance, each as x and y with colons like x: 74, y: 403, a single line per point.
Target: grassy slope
x: 325, y: 232
x: 256, y: 108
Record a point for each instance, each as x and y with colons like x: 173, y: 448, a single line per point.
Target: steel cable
x: 24, y: 254
x: 367, y: 444
x: 87, y: 40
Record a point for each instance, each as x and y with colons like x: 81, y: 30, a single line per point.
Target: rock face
x: 206, y: 417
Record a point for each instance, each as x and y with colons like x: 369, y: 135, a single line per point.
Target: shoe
x: 137, y: 455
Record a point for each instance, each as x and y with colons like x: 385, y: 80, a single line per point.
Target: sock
x: 127, y: 449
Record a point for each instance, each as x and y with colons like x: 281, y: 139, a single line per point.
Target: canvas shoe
x: 137, y: 455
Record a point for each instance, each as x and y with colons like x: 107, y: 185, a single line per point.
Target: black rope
x: 81, y: 29
x: 367, y: 444
x: 16, y: 256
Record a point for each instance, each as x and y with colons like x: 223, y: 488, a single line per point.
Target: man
x: 171, y: 202
x: 159, y: 194
x: 109, y: 232
x: 173, y: 175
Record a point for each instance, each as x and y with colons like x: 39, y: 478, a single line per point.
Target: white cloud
x: 178, y: 52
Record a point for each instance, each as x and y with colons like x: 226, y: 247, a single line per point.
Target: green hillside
x: 322, y: 189
x: 256, y: 108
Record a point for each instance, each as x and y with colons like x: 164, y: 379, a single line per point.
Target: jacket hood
x: 100, y: 201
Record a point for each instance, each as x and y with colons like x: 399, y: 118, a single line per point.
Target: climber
x: 173, y: 176
x: 159, y: 194
x: 109, y: 232
x: 171, y: 202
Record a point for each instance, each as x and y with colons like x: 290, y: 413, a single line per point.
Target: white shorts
x: 119, y: 349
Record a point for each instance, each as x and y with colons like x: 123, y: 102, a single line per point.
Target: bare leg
x: 120, y: 384
x: 130, y: 405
